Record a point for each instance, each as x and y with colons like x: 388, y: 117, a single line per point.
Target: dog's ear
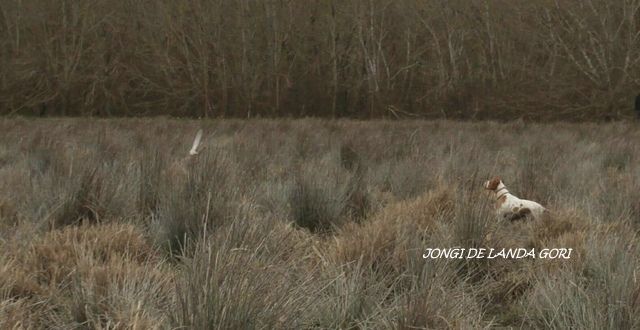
x: 493, y: 183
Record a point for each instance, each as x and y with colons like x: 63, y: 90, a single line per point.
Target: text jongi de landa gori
x: 490, y: 253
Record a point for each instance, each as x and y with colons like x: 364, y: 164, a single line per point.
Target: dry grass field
x: 298, y: 224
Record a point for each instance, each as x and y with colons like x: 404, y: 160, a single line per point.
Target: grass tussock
x: 95, y: 276
x: 329, y: 192
x: 384, y: 239
x: 313, y: 224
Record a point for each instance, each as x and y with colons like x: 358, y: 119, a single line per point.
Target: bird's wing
x: 196, y: 143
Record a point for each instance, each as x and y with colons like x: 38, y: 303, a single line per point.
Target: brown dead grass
x: 382, y: 240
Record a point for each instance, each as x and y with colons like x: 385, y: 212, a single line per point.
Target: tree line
x: 456, y: 59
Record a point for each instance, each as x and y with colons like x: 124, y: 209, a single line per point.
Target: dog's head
x: 493, y: 183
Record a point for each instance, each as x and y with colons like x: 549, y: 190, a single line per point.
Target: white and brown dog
x: 511, y: 207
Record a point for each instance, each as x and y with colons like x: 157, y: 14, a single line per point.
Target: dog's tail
x: 196, y: 143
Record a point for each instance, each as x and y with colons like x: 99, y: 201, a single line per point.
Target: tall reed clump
x: 240, y: 277
x: 438, y: 298
x: 202, y: 197
x: 326, y: 194
x: 88, y: 275
x: 603, y: 294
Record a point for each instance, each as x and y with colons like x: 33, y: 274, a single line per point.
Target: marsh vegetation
x: 313, y: 224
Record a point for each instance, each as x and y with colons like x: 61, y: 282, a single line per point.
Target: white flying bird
x: 196, y: 143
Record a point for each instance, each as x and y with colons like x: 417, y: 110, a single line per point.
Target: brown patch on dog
x: 518, y: 214
x: 501, y: 201
x: 493, y: 183
x: 525, y: 211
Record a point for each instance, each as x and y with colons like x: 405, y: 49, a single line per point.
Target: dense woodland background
x: 543, y: 59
